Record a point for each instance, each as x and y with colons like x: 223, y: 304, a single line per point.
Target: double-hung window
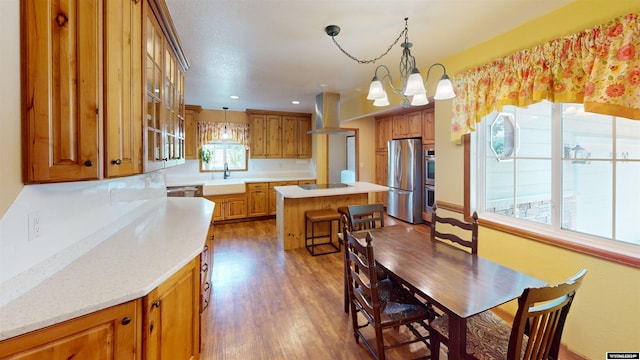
x: 555, y: 169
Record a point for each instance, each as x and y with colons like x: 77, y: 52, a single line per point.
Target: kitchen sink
x: 223, y: 187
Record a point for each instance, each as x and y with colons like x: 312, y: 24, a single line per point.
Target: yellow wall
x: 10, y: 145
x: 606, y: 313
x: 366, y: 149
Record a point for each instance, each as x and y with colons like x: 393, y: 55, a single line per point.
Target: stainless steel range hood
x: 328, y: 115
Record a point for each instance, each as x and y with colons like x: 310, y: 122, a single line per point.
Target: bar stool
x: 323, y: 216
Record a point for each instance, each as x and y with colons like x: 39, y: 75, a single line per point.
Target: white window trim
x: 552, y: 234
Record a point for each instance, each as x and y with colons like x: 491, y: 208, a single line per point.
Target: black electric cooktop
x: 323, y: 186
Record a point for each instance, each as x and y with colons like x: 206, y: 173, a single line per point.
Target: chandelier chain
x: 359, y: 61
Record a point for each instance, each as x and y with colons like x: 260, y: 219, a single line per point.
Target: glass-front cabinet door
x: 164, y: 134
x: 180, y: 119
x: 169, y: 107
x: 154, y: 158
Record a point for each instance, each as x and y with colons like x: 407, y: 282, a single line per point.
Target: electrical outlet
x: 35, y: 225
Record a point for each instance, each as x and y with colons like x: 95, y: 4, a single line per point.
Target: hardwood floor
x: 270, y: 304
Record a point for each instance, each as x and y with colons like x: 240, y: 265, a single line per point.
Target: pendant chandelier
x: 413, y: 91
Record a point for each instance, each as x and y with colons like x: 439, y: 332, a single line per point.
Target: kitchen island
x: 292, y: 202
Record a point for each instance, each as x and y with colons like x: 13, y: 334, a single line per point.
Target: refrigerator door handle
x: 398, y: 171
x: 402, y: 192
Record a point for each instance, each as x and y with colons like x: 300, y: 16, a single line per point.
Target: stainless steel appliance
x: 184, y: 191
x: 429, y: 179
x: 405, y: 180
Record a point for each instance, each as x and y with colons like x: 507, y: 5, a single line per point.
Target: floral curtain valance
x: 210, y: 131
x: 598, y: 67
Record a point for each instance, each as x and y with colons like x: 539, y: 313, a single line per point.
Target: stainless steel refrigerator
x: 405, y: 180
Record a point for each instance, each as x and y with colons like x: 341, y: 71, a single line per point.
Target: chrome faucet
x: 226, y: 171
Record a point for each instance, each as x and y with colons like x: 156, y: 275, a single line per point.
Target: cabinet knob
x: 165, y: 159
x: 61, y: 19
x: 117, y: 162
x: 156, y: 304
x: 126, y: 321
x: 88, y: 163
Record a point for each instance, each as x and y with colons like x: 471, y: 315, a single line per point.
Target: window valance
x: 598, y: 67
x: 212, y: 131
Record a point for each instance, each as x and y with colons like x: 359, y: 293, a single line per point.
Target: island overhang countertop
x: 359, y: 187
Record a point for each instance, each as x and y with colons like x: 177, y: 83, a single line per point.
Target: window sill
x: 618, y: 252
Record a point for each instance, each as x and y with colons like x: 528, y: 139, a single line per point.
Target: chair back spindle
x: 368, y: 216
x: 454, y: 230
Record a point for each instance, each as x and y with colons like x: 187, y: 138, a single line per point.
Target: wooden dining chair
x: 457, y: 231
x: 360, y: 217
x: 536, y: 331
x: 368, y: 216
x: 381, y: 304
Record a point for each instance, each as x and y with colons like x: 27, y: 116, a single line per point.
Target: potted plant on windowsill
x: 205, y: 155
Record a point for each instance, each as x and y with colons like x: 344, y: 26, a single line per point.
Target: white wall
x: 73, y: 218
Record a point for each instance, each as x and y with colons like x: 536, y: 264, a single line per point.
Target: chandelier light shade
x: 383, y: 101
x: 414, y: 84
x: 420, y: 99
x: 444, y: 90
x: 376, y: 90
x: 413, y: 89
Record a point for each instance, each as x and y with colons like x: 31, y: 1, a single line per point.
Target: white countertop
x: 123, y: 267
x: 212, y: 187
x: 188, y: 181
x: 359, y: 187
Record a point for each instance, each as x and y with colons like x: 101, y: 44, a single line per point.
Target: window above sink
x: 213, y: 157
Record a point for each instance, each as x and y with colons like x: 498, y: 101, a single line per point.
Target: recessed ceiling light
x: 295, y: 102
x: 323, y: 85
x: 235, y: 97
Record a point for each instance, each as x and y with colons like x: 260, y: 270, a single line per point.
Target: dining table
x: 451, y: 279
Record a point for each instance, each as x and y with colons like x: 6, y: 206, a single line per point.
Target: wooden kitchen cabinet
x: 266, y: 136
x: 304, y: 139
x: 264, y: 194
x: 173, y: 114
x: 257, y: 199
x: 112, y: 333
x: 83, y: 91
x: 428, y: 127
x: 206, y: 270
x: 164, y: 140
x: 123, y: 88
x: 382, y: 171
x: 191, y: 117
x: 296, y: 143
x: 229, y: 207
x: 407, y: 125
x: 164, y: 324
x: 171, y: 325
x: 384, y: 133
x: 61, y: 90
x: 279, y: 135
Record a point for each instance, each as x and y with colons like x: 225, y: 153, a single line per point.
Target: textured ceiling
x: 270, y: 52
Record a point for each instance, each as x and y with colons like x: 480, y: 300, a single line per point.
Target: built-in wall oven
x: 429, y: 179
